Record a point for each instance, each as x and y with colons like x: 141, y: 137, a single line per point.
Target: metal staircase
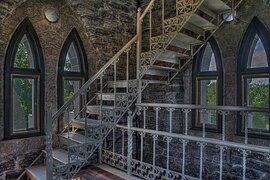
x: 107, y: 96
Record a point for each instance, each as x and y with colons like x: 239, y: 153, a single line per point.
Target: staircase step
x: 171, y: 56
x: 108, y: 96
x: 194, y: 28
x: 92, y: 123
x: 184, y: 41
x: 95, y: 109
x: 157, y: 82
x: 218, y: 6
x: 160, y: 70
x: 36, y: 172
x: 61, y: 156
x: 201, y: 22
x: 77, y: 138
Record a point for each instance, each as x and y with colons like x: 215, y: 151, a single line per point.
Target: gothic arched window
x: 254, y: 74
x: 72, y: 72
x: 207, y: 85
x: 24, y: 82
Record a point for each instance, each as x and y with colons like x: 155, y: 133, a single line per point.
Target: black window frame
x: 73, y: 37
x: 25, y: 28
x: 197, y: 75
x: 256, y: 27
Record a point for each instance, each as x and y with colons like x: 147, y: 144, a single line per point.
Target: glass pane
x: 208, y: 96
x: 208, y: 60
x: 24, y: 104
x: 258, y: 96
x: 70, y: 88
x: 24, y: 56
x: 257, y: 57
x: 72, y: 60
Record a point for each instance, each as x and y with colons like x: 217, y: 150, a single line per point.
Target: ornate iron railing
x: 155, y: 139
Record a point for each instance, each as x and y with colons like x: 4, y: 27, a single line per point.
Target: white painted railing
x: 146, y: 166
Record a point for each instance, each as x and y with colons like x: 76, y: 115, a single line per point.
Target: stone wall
x: 229, y: 38
x: 104, y: 27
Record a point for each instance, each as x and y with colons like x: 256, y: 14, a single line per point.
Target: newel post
x: 49, y: 157
x: 130, y: 142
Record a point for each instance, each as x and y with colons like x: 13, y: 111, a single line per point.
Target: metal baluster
x: 157, y: 109
x: 123, y: 142
x: 100, y: 117
x: 221, y: 151
x: 186, y: 111
x: 155, y: 137
x: 150, y: 26
x: 114, y: 81
x: 177, y: 7
x: 203, y: 121
x: 142, y: 136
x: 113, y: 140
x: 49, y: 156
x: 223, y: 114
x: 246, y: 114
x: 170, y: 112
x: 68, y: 143
x: 114, y: 103
x: 184, y: 142
x: 138, y: 56
x: 144, y: 117
x: 245, y: 153
x: 85, y: 117
x: 127, y: 73
x: 163, y: 17
x: 168, y: 139
x: 130, y: 144
x: 202, y: 146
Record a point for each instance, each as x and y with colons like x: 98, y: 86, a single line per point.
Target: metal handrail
x: 93, y: 78
x: 192, y: 106
x: 251, y: 147
x: 147, y: 9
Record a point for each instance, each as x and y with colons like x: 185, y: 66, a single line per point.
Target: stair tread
x: 201, y: 22
x: 37, y: 172
x: 163, y: 68
x: 103, y: 107
x: 184, y: 41
x: 91, y: 122
x: 219, y: 6
x: 171, y: 56
x: 111, y: 93
x: 157, y: 82
x: 78, y: 138
x: 95, y: 109
x: 61, y: 156
x: 109, y: 96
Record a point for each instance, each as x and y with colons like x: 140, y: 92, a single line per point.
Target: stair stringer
x: 172, y: 27
x: 82, y: 153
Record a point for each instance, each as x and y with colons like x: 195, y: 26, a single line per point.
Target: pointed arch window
x: 24, y: 78
x: 254, y: 76
x: 72, y: 73
x: 207, y: 85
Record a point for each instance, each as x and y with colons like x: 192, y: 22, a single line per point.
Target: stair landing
x: 102, y: 172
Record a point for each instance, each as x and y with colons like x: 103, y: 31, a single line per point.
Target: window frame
x: 25, y: 28
x: 73, y: 37
x: 198, y: 75
x: 243, y: 71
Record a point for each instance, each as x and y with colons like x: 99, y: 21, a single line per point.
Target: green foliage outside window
x: 68, y: 90
x: 211, y: 99
x: 23, y: 85
x: 259, y: 97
